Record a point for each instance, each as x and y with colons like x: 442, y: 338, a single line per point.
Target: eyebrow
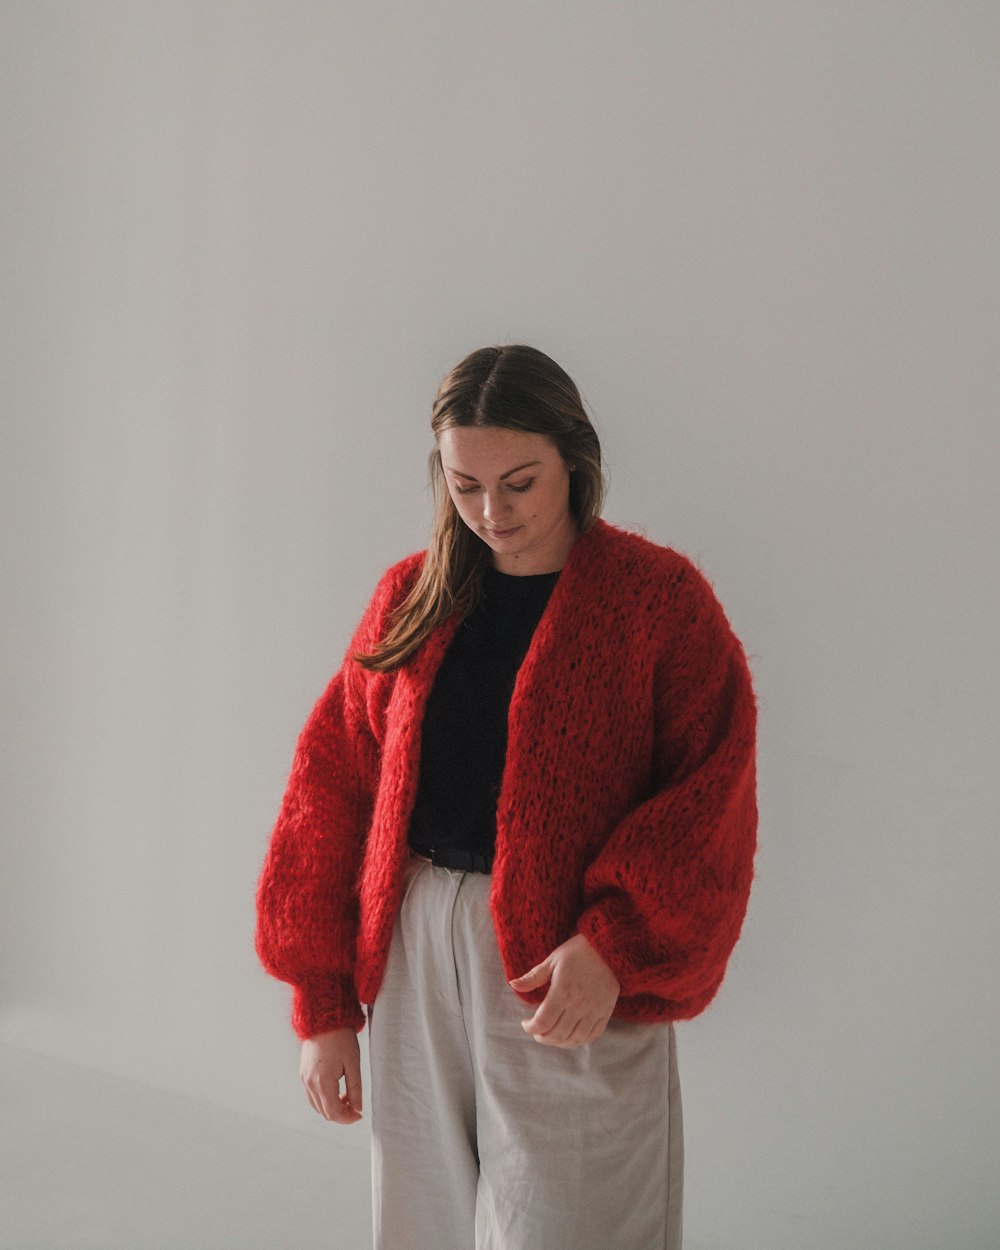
x: 529, y: 465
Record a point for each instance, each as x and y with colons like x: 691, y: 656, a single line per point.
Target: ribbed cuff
x: 323, y: 1002
x: 600, y: 933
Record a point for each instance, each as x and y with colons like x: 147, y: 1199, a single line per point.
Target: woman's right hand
x: 326, y: 1059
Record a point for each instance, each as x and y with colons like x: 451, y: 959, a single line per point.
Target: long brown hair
x: 519, y: 388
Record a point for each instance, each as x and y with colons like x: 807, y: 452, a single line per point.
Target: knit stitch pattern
x: 627, y: 810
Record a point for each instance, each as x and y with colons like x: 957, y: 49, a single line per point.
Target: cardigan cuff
x: 638, y: 999
x: 325, y: 1001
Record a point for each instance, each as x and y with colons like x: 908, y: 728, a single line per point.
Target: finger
x: 347, y: 1114
x: 532, y: 979
x: 581, y: 1034
x: 325, y: 1102
x: 315, y: 1087
x: 312, y: 1100
x: 339, y: 1105
x: 330, y: 1105
x: 587, y: 1030
x: 560, y: 1033
x: 336, y: 1107
x: 597, y: 1030
x: 352, y: 1080
x: 569, y: 1036
x: 545, y: 1019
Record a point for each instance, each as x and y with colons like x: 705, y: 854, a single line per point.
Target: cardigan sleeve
x: 665, y: 897
x: 307, y: 909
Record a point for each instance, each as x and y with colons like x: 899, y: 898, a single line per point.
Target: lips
x: 503, y: 533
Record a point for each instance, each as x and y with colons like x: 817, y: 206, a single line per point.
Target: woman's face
x: 511, y: 489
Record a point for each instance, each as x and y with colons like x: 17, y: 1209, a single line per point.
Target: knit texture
x: 627, y: 810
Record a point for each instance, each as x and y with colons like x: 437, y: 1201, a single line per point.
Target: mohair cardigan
x: 627, y: 810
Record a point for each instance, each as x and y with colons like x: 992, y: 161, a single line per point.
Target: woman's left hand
x: 580, y: 1000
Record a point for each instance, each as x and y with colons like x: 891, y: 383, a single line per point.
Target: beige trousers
x: 484, y: 1139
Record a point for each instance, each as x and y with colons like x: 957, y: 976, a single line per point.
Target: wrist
x: 585, y: 942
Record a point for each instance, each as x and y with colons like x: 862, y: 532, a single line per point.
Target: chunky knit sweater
x: 627, y: 810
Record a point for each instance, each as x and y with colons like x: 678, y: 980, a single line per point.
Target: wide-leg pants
x: 483, y: 1138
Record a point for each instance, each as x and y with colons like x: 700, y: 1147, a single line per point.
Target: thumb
x: 537, y: 976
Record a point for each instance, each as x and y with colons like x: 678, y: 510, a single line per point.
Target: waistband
x: 455, y: 857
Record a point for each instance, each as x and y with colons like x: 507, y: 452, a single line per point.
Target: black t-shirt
x: 464, y: 732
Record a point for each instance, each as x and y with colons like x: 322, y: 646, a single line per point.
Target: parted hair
x: 518, y: 388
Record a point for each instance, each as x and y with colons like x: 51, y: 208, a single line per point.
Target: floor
x: 89, y: 1162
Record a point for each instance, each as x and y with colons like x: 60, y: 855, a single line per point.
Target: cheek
x: 464, y: 505
x: 547, y: 504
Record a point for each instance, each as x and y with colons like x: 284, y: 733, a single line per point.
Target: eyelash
x: 467, y: 490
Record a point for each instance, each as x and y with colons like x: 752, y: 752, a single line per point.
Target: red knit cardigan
x: 627, y: 810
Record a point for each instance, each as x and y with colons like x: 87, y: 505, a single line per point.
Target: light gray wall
x: 242, y: 243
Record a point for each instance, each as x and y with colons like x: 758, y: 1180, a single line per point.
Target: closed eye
x: 520, y: 488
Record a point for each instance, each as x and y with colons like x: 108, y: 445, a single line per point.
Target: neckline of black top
x: 512, y: 578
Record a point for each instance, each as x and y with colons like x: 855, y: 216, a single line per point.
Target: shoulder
x: 631, y: 554
x: 661, y: 576
x: 399, y: 578
x: 392, y: 587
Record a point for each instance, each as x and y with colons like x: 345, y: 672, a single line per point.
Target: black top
x: 464, y: 733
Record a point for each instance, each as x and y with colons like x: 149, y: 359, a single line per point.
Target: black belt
x: 454, y: 857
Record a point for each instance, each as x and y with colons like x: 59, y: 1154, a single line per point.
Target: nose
x: 495, y: 508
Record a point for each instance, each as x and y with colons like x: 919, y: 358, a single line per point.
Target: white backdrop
x: 242, y: 242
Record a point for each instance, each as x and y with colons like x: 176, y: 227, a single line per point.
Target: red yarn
x: 627, y: 811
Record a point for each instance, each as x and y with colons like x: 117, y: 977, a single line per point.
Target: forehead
x: 492, y: 448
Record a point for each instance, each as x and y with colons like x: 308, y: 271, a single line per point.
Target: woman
x: 518, y: 840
